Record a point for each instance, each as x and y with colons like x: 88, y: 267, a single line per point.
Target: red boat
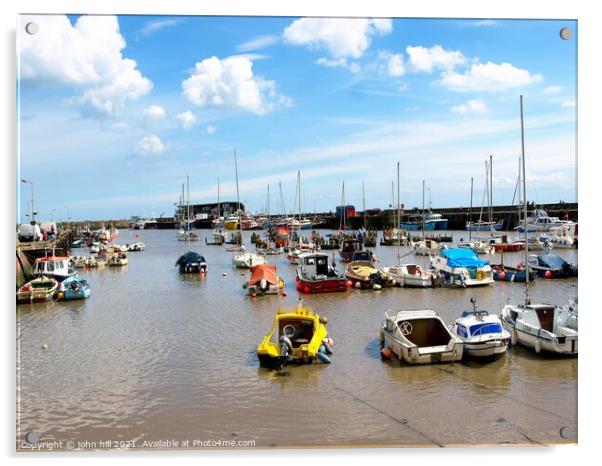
x: 316, y: 275
x: 501, y: 244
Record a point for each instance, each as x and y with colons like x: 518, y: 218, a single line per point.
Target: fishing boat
x: 480, y: 247
x: 298, y: 335
x: 349, y: 247
x: 331, y: 242
x: 427, y: 247
x: 117, y: 259
x: 57, y: 267
x: 231, y: 222
x: 560, y: 237
x: 410, y: 275
x: 316, y: 275
x: 191, y: 262
x: 363, y: 275
x: 551, y: 266
x: 246, y: 260
x: 462, y: 267
x: 135, y: 247
x: 417, y: 223
x: 78, y: 262
x: 73, y: 288
x: 37, y: 290
x: 543, y: 327
x: 419, y: 337
x: 482, y: 333
x: 264, y: 280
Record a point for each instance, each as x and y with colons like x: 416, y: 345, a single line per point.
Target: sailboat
x: 184, y: 233
x: 191, y: 261
x: 369, y: 235
x: 243, y: 259
x: 484, y: 225
x: 409, y: 275
x: 478, y: 246
x: 219, y: 236
x: 543, y: 327
x: 426, y: 247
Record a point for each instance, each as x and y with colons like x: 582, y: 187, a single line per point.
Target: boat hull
x: 486, y: 349
x: 322, y: 286
x: 428, y: 226
x: 432, y: 355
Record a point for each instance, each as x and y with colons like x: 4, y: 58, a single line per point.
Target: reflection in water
x: 154, y: 354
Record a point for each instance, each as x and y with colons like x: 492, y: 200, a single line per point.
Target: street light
x: 33, y: 217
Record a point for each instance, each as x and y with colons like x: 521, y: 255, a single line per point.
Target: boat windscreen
x: 485, y: 328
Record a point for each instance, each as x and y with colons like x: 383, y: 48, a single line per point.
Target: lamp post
x: 33, y: 214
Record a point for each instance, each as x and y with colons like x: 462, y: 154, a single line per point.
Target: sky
x: 115, y: 112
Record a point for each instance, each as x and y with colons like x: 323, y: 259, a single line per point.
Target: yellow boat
x: 298, y: 335
x: 231, y: 223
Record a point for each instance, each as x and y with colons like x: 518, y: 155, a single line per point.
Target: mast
x: 268, y: 205
x: 491, y: 192
x: 485, y: 193
x: 470, y: 212
x: 219, y: 206
x: 238, y: 197
x: 522, y: 142
x: 398, y: 236
x: 188, y: 211
x: 364, y: 204
x: 423, y: 216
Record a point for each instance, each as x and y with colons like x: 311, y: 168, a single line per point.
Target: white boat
x: 94, y: 249
x: 410, y: 275
x: 37, y: 290
x: 305, y: 224
x: 478, y: 246
x: 560, y: 237
x: 246, y: 260
x: 138, y: 246
x: 482, y: 333
x: 420, y: 337
x: 427, y: 247
x: 57, y: 267
x: 117, y: 259
x: 462, y: 267
x: 95, y: 262
x: 543, y: 327
x: 539, y: 220
x: 78, y: 262
x: 293, y: 223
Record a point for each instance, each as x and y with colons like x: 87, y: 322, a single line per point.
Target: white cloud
x: 489, y: 77
x: 86, y: 56
x: 230, y: 83
x: 339, y: 63
x: 395, y: 65
x: 211, y: 129
x: 552, y: 90
x: 341, y: 37
x: 422, y: 59
x: 158, y: 24
x: 149, y: 145
x: 257, y: 42
x: 154, y: 112
x: 187, y: 119
x: 568, y: 104
x: 472, y: 106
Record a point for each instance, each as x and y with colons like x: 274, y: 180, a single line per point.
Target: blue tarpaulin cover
x: 462, y: 257
x: 552, y: 261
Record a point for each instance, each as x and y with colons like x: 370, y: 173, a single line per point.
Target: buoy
x: 538, y: 346
x: 45, y: 347
x: 322, y: 357
x: 330, y: 342
x: 283, y: 293
x: 386, y: 353
x: 548, y: 274
x: 244, y: 286
x: 322, y: 349
x: 327, y: 346
x: 519, y: 266
x: 253, y: 295
x: 502, y: 275
x: 224, y: 274
x: 307, y: 289
x: 348, y: 284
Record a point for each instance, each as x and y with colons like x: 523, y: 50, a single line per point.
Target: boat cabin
x: 314, y: 265
x: 351, y: 245
x: 298, y: 330
x: 54, y: 266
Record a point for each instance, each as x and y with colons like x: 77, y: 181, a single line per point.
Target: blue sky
x: 115, y: 111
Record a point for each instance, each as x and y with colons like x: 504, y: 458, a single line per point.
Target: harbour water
x: 157, y: 356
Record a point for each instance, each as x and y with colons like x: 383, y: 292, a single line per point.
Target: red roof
x: 52, y: 258
x: 267, y: 271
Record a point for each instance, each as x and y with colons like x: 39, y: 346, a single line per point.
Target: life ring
x: 288, y: 334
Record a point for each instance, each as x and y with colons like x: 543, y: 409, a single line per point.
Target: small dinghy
x: 135, y: 247
x: 78, y: 262
x: 419, y: 337
x: 552, y: 266
x: 298, y: 335
x: 117, y: 259
x: 427, y: 247
x: 73, y: 288
x: 37, y: 290
x: 482, y: 333
x: 246, y: 260
x: 192, y: 262
x: 411, y: 275
x: 264, y: 280
x: 542, y: 327
x: 95, y: 262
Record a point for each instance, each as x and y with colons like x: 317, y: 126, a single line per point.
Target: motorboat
x: 420, y: 337
x: 539, y: 220
x: 349, y: 247
x: 191, y: 262
x: 427, y: 247
x: 117, y: 259
x: 505, y: 273
x: 462, y: 267
x: 478, y: 246
x: 298, y: 335
x: 231, y: 222
x: 250, y: 224
x: 501, y: 243
x: 73, y: 288
x: 542, y: 327
x: 264, y: 280
x: 316, y: 275
x: 135, y: 247
x: 410, y: 275
x: 37, y: 290
x: 394, y: 237
x: 437, y: 219
x: 57, y: 267
x: 417, y: 223
x: 482, y: 333
x: 219, y: 238
x: 246, y: 260
x: 331, y: 242
x: 551, y: 265
x: 78, y: 262
x: 363, y: 275
x: 485, y: 226
x: 560, y: 237
x: 540, y: 244
x: 305, y: 224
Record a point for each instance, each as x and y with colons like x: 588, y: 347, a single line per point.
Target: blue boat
x: 72, y: 288
x: 552, y: 266
x: 484, y: 226
x: 417, y: 223
x: 438, y: 220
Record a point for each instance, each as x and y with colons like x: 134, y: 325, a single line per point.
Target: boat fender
x: 513, y: 337
x: 358, y: 285
x: 326, y: 345
x: 245, y: 286
x: 253, y: 295
x: 322, y: 349
x: 538, y: 346
x: 324, y: 358
x: 386, y: 353
x: 263, y: 285
x: 376, y: 286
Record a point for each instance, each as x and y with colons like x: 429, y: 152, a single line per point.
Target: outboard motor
x: 263, y: 287
x: 286, y: 347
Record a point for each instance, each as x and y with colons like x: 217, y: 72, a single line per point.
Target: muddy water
x: 158, y: 356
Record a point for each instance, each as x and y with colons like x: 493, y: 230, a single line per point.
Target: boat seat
x: 301, y: 341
